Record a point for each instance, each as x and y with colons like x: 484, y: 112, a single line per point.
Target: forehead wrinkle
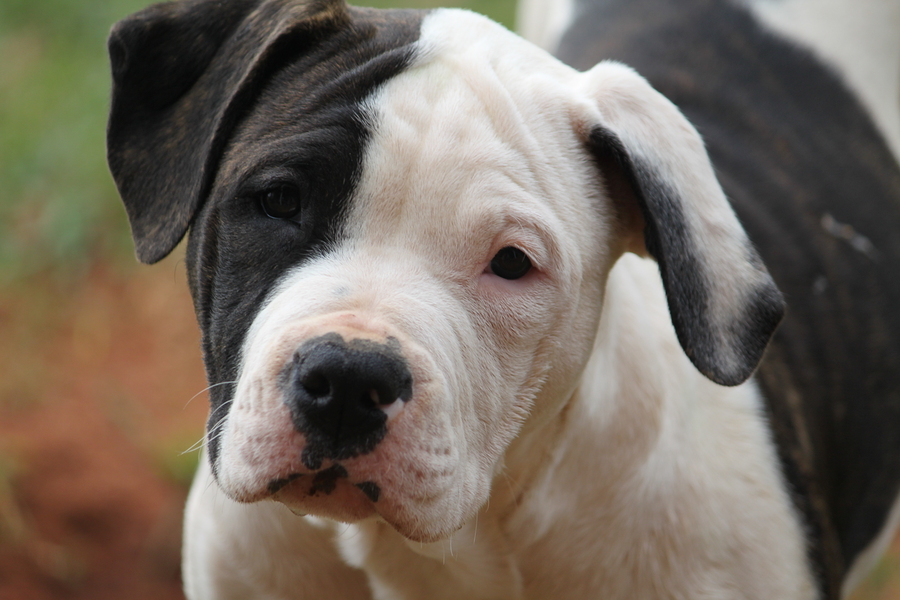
x: 453, y: 97
x: 435, y: 119
x: 440, y: 227
x: 435, y: 145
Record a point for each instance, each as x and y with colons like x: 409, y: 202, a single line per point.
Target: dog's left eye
x: 283, y: 202
x: 510, y: 263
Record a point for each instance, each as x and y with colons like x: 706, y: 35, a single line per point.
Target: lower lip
x: 345, y: 502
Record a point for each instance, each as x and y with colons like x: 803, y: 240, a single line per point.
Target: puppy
x: 482, y: 325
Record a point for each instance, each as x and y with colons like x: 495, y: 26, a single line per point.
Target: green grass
x: 59, y: 209
x: 58, y: 205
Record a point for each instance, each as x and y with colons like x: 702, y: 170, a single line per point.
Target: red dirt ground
x: 96, y: 381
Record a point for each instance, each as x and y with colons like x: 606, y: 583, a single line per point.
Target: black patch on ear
x: 684, y: 277
x: 157, y: 54
x: 183, y: 75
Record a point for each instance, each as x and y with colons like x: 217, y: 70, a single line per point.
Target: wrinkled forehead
x: 472, y: 84
x: 476, y: 126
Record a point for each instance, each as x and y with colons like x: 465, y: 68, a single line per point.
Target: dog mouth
x: 329, y: 492
x: 407, y: 480
x: 324, y: 482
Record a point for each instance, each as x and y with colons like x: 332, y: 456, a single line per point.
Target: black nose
x: 336, y: 390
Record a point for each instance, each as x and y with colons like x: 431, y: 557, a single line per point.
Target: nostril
x: 316, y: 384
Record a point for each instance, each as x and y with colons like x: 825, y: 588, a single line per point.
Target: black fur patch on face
x: 184, y: 75
x: 307, y: 131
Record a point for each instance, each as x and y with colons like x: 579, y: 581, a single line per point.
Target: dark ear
x: 723, y: 303
x: 183, y: 72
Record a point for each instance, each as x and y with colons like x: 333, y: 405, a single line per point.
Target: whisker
x: 199, y: 444
x: 206, y: 389
x: 214, y: 433
x: 202, y: 443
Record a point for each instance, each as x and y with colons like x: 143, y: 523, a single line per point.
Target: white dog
x: 489, y: 321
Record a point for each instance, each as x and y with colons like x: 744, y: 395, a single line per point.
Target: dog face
x: 401, y: 229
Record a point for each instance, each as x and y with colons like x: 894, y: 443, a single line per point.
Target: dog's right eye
x: 510, y: 263
x: 283, y: 202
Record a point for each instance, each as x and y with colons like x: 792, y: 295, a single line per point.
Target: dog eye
x: 282, y: 202
x: 510, y: 263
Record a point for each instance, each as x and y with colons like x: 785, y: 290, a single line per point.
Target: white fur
x: 558, y: 444
x: 859, y: 38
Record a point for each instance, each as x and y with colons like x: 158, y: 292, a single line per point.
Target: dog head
x: 401, y: 226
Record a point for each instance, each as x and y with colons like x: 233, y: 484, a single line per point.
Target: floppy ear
x: 723, y: 303
x: 183, y: 72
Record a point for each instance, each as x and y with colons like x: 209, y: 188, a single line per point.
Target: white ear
x: 723, y: 303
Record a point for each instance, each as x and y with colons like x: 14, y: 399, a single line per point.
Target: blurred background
x: 102, y: 391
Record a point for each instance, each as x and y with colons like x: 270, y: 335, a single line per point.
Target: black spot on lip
x: 325, y: 481
x: 370, y: 489
x: 276, y: 485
